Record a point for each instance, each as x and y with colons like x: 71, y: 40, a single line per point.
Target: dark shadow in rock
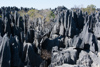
x: 86, y: 47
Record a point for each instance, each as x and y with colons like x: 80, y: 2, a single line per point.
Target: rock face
x: 30, y: 57
x: 87, y: 41
x: 84, y: 59
x: 5, y: 53
x: 71, y: 39
x: 96, y: 30
x: 68, y: 56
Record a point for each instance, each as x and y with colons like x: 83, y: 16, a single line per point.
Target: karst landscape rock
x: 49, y: 38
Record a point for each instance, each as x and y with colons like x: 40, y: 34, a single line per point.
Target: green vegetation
x: 0, y: 16
x: 52, y: 15
x: 33, y: 13
x: 90, y: 8
x: 22, y: 12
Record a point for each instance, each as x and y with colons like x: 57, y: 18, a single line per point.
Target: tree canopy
x: 89, y: 9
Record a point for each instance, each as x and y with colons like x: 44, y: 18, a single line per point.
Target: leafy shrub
x: 33, y: 13
x: 22, y: 12
x: 90, y: 9
x: 52, y: 15
x: 0, y: 16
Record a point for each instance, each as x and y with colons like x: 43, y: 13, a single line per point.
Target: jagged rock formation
x: 71, y: 39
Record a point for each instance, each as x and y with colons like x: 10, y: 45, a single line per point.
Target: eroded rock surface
x: 70, y: 39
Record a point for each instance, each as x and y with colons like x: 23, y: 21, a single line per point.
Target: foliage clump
x: 0, y: 16
x: 89, y: 9
x: 22, y: 12
x: 34, y: 13
x: 51, y: 15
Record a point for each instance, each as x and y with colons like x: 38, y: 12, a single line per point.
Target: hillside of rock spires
x: 57, y: 37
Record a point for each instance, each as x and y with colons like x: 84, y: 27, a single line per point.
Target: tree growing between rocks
x: 89, y: 9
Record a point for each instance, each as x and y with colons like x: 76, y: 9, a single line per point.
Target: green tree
x: 90, y: 9
x: 51, y: 15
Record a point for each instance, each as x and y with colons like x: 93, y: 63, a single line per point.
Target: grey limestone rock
x: 30, y: 58
x: 5, y: 52
x: 65, y: 56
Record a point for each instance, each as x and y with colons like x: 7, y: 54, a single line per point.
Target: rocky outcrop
x: 5, y: 52
x: 68, y: 56
x: 71, y: 39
